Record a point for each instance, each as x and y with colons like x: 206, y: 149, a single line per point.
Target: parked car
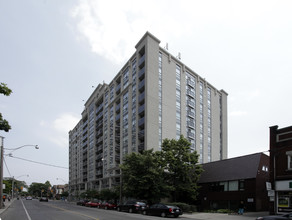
x: 276, y: 217
x: 93, y: 203
x: 163, y: 210
x: 107, y: 205
x: 82, y: 202
x: 28, y: 198
x: 132, y: 206
x: 44, y: 199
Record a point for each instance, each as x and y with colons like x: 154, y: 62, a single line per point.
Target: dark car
x: 276, y: 217
x: 163, y: 210
x: 82, y: 202
x: 107, y: 205
x: 94, y: 203
x: 43, y: 199
x: 132, y: 206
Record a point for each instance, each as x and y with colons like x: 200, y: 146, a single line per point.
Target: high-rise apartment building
x: 153, y: 97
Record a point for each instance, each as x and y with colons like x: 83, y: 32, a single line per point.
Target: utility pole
x: 1, y: 172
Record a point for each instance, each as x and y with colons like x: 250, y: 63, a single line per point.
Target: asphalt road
x: 58, y: 210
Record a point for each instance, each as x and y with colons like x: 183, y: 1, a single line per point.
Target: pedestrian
x: 241, y: 208
x: 4, y: 197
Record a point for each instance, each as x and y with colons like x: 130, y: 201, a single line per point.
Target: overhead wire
x: 46, y: 164
x: 7, y: 167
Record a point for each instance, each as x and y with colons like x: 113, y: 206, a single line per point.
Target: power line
x: 7, y: 167
x: 46, y: 164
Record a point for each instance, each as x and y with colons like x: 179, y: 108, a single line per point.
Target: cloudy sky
x: 53, y: 52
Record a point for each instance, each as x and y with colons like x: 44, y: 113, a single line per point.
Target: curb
x: 7, y: 204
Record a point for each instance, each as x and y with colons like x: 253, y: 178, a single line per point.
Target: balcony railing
x: 141, y: 60
x: 141, y: 73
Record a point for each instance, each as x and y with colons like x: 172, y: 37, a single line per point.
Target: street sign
x: 269, y: 186
x: 271, y: 193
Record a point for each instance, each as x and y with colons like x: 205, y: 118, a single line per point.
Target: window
x: 233, y: 185
x: 241, y: 185
x: 289, y: 160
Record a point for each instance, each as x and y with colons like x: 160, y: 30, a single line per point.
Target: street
x: 59, y: 210
x: 35, y: 210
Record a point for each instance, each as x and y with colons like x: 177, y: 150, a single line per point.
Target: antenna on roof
x: 166, y: 46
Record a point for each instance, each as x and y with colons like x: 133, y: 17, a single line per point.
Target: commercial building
x: 224, y: 184
x: 281, y: 169
x: 153, y: 97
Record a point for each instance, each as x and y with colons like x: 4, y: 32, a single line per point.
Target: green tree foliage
x: 4, y: 125
x: 18, y: 185
x: 182, y: 171
x: 38, y: 189
x: 173, y: 172
x: 142, y: 176
x: 8, y: 186
x: 90, y: 194
x: 108, y: 194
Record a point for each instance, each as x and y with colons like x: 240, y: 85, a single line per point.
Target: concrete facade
x: 153, y: 97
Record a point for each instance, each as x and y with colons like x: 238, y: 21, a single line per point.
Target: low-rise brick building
x: 225, y: 183
x: 281, y: 169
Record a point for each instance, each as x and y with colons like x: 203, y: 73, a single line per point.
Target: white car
x: 28, y: 198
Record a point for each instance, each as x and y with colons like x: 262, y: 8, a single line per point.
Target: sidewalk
x: 7, y: 204
x: 219, y: 216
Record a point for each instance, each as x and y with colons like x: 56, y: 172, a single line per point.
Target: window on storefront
x: 289, y: 159
x: 233, y: 185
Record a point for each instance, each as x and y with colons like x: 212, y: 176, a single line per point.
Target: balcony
x: 98, y: 157
x: 141, y: 97
x: 190, y: 93
x: 190, y: 124
x: 84, y: 138
x: 141, y: 134
x: 191, y: 135
x: 141, y: 73
x: 141, y: 122
x: 141, y: 85
x: 117, y: 148
x: 98, y: 133
x: 141, y: 109
x: 117, y: 158
x: 118, y: 88
x: 142, y: 61
x: 118, y: 107
x: 190, y: 83
x: 191, y: 103
x: 99, y: 108
x: 141, y: 147
x: 118, y: 117
x: 191, y: 114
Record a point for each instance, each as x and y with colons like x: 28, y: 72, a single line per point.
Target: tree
x: 18, y: 185
x: 89, y: 194
x: 108, y: 194
x: 4, y: 125
x: 142, y: 176
x: 8, y: 186
x: 39, y: 189
x: 182, y: 171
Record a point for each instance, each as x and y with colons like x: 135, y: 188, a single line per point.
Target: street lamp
x: 17, y: 148
x: 13, y: 183
x: 62, y: 180
x: 1, y: 163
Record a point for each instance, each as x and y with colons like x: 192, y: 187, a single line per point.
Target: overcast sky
x: 52, y: 52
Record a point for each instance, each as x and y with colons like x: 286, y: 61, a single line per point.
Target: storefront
x: 284, y: 196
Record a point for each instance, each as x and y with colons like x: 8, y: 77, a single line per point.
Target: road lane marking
x: 28, y: 217
x: 74, y: 212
